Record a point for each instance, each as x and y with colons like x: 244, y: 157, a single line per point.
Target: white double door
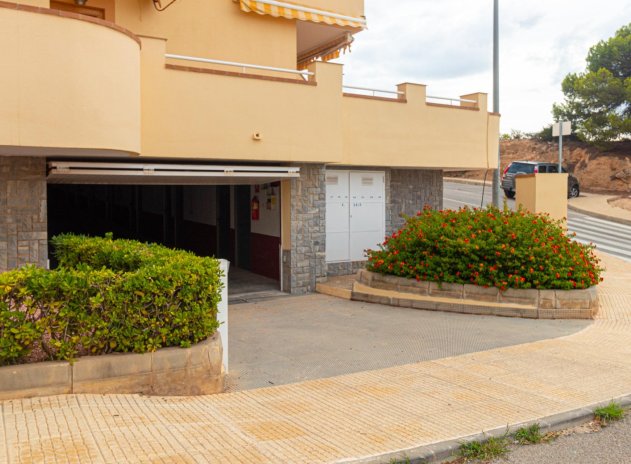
x: 355, y: 213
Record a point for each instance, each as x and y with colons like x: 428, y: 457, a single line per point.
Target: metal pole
x: 222, y: 312
x: 560, y: 146
x: 496, y: 94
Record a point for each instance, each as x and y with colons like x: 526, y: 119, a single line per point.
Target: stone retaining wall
x: 196, y: 370
x: 530, y: 303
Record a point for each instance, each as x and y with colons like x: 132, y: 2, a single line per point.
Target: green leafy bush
x: 488, y: 247
x: 108, y: 296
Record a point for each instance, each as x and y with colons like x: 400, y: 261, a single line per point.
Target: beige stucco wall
x: 40, y: 3
x: 354, y: 8
x: 215, y: 29
x: 96, y: 78
x: 67, y: 83
x: 190, y: 114
x: 543, y: 193
x: 413, y: 133
x: 218, y: 29
x: 200, y: 115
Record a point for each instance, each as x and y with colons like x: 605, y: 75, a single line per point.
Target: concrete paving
x: 276, y: 342
x: 413, y: 409
x: 245, y: 286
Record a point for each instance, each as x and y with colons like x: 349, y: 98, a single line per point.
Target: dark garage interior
x: 207, y: 220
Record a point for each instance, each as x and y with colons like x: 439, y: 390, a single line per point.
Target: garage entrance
x: 210, y: 216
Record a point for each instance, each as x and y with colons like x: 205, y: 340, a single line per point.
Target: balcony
x: 285, y: 116
x: 68, y: 84
x: 410, y: 128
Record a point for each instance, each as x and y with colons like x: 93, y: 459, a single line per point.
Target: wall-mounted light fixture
x: 157, y: 4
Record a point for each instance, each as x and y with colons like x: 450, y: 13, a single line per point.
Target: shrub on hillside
x: 107, y: 296
x: 488, y: 247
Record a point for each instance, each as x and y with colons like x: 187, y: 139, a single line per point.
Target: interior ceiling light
x: 80, y: 2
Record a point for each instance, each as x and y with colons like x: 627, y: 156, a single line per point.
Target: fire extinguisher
x: 255, y: 208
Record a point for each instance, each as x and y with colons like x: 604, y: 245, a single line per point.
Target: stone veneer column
x: 23, y: 212
x: 307, y: 263
x: 409, y: 191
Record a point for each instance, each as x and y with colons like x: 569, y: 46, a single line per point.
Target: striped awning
x: 326, y: 52
x: 302, y: 13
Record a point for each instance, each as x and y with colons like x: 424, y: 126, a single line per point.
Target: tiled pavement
x: 338, y: 419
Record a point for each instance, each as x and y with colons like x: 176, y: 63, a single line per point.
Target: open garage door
x: 86, y: 172
x: 231, y: 212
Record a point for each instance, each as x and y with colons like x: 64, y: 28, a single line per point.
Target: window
x: 521, y: 168
x: 92, y: 11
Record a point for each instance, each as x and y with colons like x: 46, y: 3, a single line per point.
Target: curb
x: 438, y: 452
x: 371, y: 287
x: 336, y: 292
x: 626, y: 222
x: 459, y: 180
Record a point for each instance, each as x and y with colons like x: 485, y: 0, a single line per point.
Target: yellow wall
x: 213, y: 116
x: 199, y: 115
x: 215, y: 29
x: 187, y: 114
x: 353, y: 8
x: 108, y: 7
x: 40, y: 3
x: 543, y: 193
x: 67, y: 83
x: 381, y: 133
x: 71, y: 83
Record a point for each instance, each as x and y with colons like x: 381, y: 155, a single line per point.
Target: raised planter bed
x: 472, y: 299
x: 170, y: 371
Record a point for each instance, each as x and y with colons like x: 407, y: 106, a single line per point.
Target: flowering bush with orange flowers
x: 487, y: 247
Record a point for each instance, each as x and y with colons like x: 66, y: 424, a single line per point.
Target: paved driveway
x: 291, y: 339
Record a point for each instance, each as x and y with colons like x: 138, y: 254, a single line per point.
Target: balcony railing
x: 452, y: 101
x: 305, y: 75
x: 396, y: 94
x: 243, y: 66
x: 372, y: 92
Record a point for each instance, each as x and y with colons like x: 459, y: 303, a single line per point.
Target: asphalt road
x: 611, y: 445
x: 609, y: 237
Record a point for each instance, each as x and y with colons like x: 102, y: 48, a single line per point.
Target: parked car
x: 532, y: 167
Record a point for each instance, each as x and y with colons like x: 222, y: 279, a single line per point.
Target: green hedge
x: 488, y: 247
x: 107, y: 296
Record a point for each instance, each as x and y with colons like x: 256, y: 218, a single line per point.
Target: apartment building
x: 217, y: 126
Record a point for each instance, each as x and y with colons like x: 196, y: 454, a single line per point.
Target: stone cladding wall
x: 23, y: 212
x: 308, y: 230
x: 409, y: 191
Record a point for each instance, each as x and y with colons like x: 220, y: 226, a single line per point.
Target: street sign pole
x: 496, y: 94
x: 559, y: 129
x: 560, y: 146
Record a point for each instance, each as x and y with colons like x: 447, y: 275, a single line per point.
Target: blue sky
x: 447, y: 45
